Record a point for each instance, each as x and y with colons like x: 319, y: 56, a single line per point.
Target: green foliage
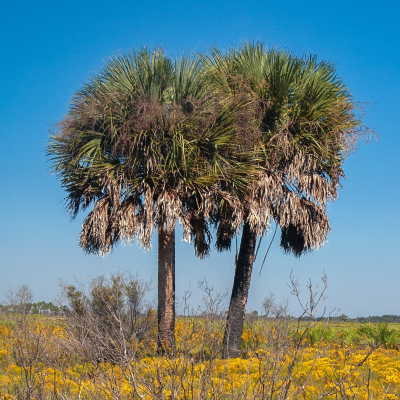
x: 378, y: 334
x: 320, y: 332
x: 109, y: 307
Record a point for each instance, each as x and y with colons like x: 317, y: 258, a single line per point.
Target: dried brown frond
x: 304, y: 225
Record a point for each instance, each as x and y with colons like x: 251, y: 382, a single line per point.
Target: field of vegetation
x: 106, y: 348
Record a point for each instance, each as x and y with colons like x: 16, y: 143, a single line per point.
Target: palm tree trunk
x: 237, y: 307
x: 166, y: 289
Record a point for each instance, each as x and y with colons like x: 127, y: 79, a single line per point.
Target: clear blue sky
x: 49, y: 48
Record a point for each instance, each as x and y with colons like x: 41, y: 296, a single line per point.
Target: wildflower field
x: 44, y: 357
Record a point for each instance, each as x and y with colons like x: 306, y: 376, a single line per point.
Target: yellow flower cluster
x: 333, y: 368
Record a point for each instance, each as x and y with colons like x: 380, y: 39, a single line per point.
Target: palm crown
x: 147, y: 143
x: 306, y: 124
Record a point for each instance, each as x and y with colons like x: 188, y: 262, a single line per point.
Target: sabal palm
x: 306, y: 120
x: 146, y: 143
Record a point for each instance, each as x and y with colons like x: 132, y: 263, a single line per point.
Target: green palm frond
x: 187, y: 80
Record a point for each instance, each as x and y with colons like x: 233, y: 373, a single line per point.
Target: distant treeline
x: 44, y: 308
x: 384, y: 318
x: 39, y: 308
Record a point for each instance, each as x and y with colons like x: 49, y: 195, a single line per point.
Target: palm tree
x: 306, y: 122
x: 147, y: 143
